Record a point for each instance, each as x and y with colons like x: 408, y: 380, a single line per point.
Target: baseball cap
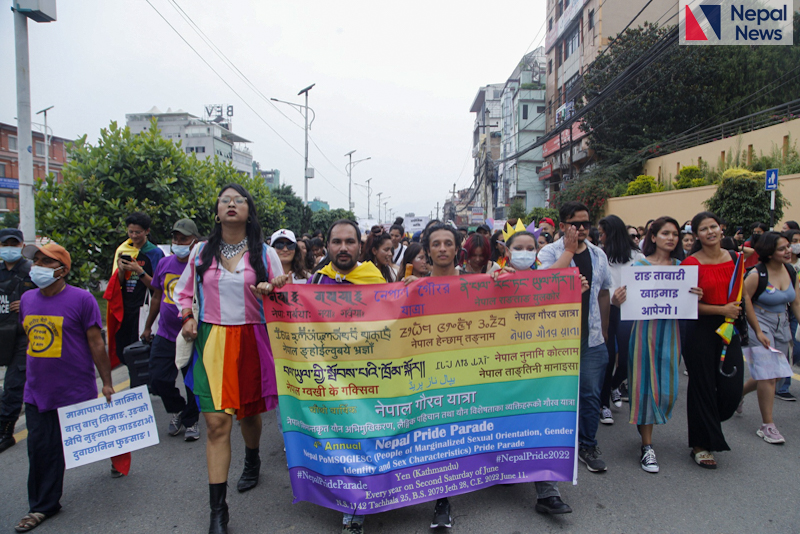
x: 186, y: 227
x: 547, y: 220
x: 11, y: 233
x: 283, y: 233
x: 51, y: 250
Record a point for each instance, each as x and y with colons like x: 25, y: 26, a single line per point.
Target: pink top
x: 224, y: 296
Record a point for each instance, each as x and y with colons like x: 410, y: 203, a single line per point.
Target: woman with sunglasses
x: 635, y: 236
x: 232, y: 370
x: 291, y: 255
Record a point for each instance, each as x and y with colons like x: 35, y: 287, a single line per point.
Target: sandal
x: 30, y: 522
x: 704, y: 456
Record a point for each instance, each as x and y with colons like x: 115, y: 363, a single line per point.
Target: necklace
x: 229, y: 251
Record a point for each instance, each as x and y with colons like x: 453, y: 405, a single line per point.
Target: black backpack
x: 763, y: 279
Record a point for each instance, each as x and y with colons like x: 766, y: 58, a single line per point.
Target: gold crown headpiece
x: 509, y: 231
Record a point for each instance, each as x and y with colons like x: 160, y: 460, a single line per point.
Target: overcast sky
x: 394, y: 82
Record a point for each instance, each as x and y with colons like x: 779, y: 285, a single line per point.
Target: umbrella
x: 727, y: 329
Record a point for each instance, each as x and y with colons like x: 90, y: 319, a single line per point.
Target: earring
x: 217, y: 219
x: 248, y: 220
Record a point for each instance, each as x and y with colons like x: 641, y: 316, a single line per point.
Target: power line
x: 246, y: 103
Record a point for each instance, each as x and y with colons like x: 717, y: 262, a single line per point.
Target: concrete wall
x: 683, y: 204
x: 757, y: 143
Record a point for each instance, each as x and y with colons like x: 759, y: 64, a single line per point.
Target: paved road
x: 755, y: 489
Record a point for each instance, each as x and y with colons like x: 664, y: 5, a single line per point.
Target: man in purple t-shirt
x: 63, y: 326
x: 183, y: 413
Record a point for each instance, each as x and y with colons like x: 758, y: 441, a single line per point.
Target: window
x: 591, y: 19
x: 496, y: 94
x: 3, y: 204
x: 40, y: 148
x: 12, y: 143
x: 550, y: 25
x: 539, y: 109
x: 525, y: 112
x: 572, y: 42
x: 550, y: 66
x: 200, y: 149
x: 2, y: 170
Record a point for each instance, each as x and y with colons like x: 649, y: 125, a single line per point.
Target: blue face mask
x: 43, y: 276
x: 10, y: 254
x: 181, y: 251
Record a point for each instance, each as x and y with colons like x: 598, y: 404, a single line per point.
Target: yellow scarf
x: 363, y: 274
x: 125, y: 248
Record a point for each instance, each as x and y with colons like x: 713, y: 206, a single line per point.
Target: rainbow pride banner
x: 392, y: 395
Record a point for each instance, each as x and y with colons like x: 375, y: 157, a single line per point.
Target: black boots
x: 219, y: 508
x: 252, y: 466
x: 6, y: 435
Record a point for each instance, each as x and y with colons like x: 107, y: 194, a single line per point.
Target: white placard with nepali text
x: 95, y: 430
x: 659, y: 292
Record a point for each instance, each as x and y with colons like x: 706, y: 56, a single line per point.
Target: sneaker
x: 770, y: 434
x: 740, y: 408
x: 192, y: 433
x: 591, y: 457
x: 623, y: 392
x: 605, y: 416
x: 616, y: 397
x: 175, y: 425
x: 441, y: 514
x: 353, y: 528
x: 685, y: 372
x: 649, y: 462
x: 785, y: 395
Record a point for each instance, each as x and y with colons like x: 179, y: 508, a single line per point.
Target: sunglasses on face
x: 279, y: 245
x: 634, y: 236
x: 579, y: 224
x: 237, y: 200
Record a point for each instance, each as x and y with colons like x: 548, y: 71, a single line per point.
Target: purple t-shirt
x: 60, y: 366
x: 168, y: 272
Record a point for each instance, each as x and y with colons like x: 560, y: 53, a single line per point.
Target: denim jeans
x: 594, y: 361
x: 782, y: 385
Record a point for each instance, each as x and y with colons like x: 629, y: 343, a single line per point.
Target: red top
x: 752, y: 260
x: 713, y: 279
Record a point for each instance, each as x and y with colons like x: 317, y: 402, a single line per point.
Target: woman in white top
x: 622, y: 251
x: 292, y: 259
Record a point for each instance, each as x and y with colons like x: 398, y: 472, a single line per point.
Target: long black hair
x: 255, y: 238
x: 376, y: 243
x: 649, y: 248
x: 696, y: 220
x: 412, y: 251
x: 619, y: 246
x: 496, y: 254
x: 766, y: 245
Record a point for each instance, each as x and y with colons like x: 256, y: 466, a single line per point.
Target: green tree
x: 537, y: 214
x: 517, y: 209
x: 296, y: 215
x: 124, y: 173
x: 592, y: 192
x: 688, y: 177
x: 741, y: 200
x: 322, y: 220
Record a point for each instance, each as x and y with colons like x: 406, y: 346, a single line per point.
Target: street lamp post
x: 46, y: 143
x: 305, y: 108
x: 369, y: 190
x: 379, y: 206
x: 350, y: 166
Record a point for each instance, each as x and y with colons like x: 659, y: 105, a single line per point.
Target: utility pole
x: 369, y: 190
x: 488, y: 189
x: 379, y: 207
x: 46, y: 143
x: 350, y: 166
x: 307, y: 173
x: 437, y: 210
x: 385, y: 199
x: 384, y: 208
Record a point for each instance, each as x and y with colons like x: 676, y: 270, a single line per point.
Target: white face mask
x: 796, y: 249
x: 522, y: 259
x: 43, y: 276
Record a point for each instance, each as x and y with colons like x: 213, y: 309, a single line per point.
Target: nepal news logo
x: 759, y: 22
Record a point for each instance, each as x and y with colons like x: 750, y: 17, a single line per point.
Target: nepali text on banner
x: 393, y: 395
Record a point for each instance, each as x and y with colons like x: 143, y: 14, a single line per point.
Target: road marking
x: 22, y: 434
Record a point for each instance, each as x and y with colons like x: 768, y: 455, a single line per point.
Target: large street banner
x: 392, y: 395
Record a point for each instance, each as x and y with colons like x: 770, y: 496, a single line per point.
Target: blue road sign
x: 771, y: 183
x: 9, y: 183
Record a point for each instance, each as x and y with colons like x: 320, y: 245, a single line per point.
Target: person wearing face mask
x: 63, y: 324
x: 14, y: 281
x: 184, y: 414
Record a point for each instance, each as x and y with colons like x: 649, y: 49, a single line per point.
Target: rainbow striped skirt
x: 232, y: 370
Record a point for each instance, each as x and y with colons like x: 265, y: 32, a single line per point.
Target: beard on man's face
x: 344, y: 261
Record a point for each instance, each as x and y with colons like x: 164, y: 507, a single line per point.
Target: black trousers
x: 711, y: 398
x: 619, y: 336
x: 162, y: 381
x: 45, y: 461
x: 14, y: 384
x: 128, y: 333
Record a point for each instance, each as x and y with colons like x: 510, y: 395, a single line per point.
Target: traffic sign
x: 771, y: 184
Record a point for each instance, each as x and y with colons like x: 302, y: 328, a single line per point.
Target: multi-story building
x: 486, y: 149
x: 577, y: 31
x: 318, y: 205
x: 272, y: 177
x: 204, y: 139
x: 523, y: 117
x: 9, y: 162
